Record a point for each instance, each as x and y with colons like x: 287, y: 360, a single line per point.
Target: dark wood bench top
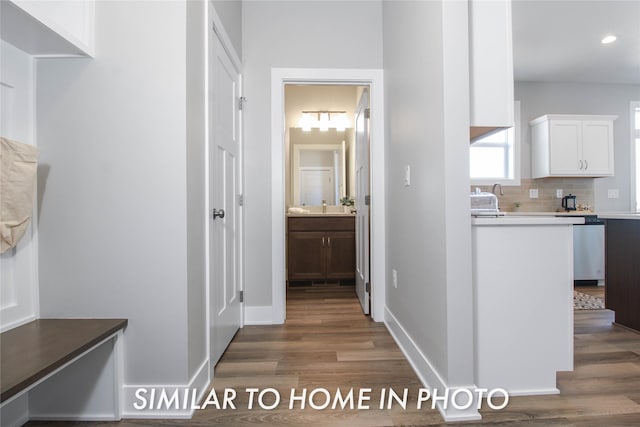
x: 30, y: 352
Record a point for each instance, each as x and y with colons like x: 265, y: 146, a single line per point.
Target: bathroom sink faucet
x: 493, y: 190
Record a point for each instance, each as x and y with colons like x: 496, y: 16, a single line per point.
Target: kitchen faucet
x: 493, y: 190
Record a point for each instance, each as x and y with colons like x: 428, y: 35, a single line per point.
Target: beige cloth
x: 18, y: 167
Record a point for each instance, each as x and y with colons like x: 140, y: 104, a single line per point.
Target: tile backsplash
x: 582, y: 188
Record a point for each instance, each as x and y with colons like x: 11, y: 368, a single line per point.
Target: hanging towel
x: 18, y: 166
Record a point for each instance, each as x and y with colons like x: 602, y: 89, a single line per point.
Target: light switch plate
x: 613, y: 193
x: 533, y: 193
x: 394, y: 272
x: 559, y: 193
x: 407, y: 176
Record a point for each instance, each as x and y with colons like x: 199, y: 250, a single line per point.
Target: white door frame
x: 374, y: 79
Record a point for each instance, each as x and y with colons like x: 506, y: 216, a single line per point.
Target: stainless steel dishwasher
x: 588, y: 251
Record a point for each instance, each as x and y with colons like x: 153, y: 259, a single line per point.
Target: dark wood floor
x: 327, y: 342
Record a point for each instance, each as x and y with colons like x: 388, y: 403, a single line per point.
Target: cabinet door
x: 565, y: 150
x: 490, y: 65
x: 597, y: 147
x: 341, y: 255
x: 306, y: 255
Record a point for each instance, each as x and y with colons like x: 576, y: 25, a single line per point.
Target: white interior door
x: 362, y: 201
x: 224, y: 151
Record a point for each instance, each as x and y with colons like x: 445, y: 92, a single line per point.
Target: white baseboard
x: 15, y: 412
x: 8, y: 325
x: 533, y: 392
x: 258, y: 315
x: 199, y: 382
x: 427, y: 374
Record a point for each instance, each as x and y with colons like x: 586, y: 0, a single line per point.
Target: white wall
x: 197, y: 31
x: 230, y: 14
x: 429, y: 238
x: 583, y: 98
x: 113, y: 233
x: 18, y: 266
x: 312, y: 34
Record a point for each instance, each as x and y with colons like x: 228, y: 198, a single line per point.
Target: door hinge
x: 367, y: 287
x: 241, y: 296
x: 367, y: 200
x: 367, y: 113
x: 240, y: 200
x: 241, y: 102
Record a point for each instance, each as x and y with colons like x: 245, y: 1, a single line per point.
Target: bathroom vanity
x: 321, y: 247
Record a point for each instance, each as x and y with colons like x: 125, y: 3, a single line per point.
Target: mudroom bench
x: 61, y: 369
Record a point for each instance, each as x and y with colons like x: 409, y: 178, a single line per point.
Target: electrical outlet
x: 559, y: 193
x: 407, y: 176
x: 533, y: 193
x: 395, y: 278
x: 613, y: 193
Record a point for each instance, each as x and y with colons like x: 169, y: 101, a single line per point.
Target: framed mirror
x: 318, y: 166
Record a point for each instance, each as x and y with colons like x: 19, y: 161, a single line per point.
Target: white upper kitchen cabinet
x: 490, y: 66
x: 54, y: 28
x: 572, y: 145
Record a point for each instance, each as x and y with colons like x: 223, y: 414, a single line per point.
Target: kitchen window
x: 496, y: 157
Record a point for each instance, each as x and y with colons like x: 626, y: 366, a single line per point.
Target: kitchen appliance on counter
x: 588, y: 251
x: 569, y: 202
x: 484, y: 204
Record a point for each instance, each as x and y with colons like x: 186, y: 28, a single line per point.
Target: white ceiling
x: 559, y: 41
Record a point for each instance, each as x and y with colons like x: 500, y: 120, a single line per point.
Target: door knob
x: 217, y: 213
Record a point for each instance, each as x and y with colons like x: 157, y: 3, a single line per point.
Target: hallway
x: 326, y: 343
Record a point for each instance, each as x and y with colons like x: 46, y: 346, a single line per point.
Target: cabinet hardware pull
x: 329, y: 239
x: 323, y: 242
x: 580, y: 164
x: 586, y: 165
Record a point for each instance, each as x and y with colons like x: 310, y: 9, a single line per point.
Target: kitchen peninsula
x: 523, y: 301
x: 622, y: 267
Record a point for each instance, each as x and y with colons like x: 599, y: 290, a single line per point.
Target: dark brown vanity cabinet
x: 321, y: 248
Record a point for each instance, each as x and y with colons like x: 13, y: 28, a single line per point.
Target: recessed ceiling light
x: 609, y: 38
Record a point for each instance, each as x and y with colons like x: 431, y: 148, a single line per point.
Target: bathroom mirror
x: 319, y: 144
x: 318, y: 166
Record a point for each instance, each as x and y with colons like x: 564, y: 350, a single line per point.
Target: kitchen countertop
x: 513, y: 219
x: 552, y: 213
x: 318, y: 215
x: 619, y: 215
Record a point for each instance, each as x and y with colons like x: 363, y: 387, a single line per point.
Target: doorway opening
x: 325, y: 246
x: 329, y: 182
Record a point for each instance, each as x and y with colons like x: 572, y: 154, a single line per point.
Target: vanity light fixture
x: 306, y: 122
x: 324, y: 120
x: 608, y: 39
